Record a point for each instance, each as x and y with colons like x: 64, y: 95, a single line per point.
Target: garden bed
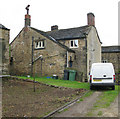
x: 20, y: 100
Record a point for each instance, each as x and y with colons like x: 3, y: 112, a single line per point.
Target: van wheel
x: 113, y: 87
x: 91, y: 87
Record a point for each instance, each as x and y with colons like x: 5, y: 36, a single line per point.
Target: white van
x: 102, y: 74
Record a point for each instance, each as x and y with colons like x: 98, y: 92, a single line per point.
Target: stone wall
x: 93, y: 49
x: 114, y: 58
x: 88, y: 52
x: 21, y: 53
x: 79, y: 58
x: 54, y: 57
x: 4, y: 51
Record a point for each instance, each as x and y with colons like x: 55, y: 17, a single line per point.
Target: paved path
x: 0, y: 98
x: 119, y: 105
x: 80, y: 109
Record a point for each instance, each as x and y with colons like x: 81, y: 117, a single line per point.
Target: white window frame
x: 73, y: 44
x: 39, y: 44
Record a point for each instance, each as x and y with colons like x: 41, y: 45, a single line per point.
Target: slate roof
x: 110, y: 49
x: 3, y: 27
x: 71, y: 33
x: 51, y: 38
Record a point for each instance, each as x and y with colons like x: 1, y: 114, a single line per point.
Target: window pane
x: 76, y: 43
x: 40, y: 44
x: 43, y: 43
x: 70, y: 63
x: 71, y: 43
x: 36, y: 44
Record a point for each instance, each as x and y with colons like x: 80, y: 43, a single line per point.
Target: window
x: 39, y: 44
x: 36, y: 44
x: 71, y: 43
x: 74, y: 44
x: 70, y: 63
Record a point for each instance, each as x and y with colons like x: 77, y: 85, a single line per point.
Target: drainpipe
x: 86, y: 58
x: 67, y: 58
x: 86, y: 55
x: 32, y: 56
x: 41, y: 66
x: 33, y: 65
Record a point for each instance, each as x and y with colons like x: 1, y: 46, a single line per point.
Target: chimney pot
x: 91, y: 19
x: 27, y: 17
x: 27, y: 20
x: 55, y: 27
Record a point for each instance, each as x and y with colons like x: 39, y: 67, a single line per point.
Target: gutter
x: 86, y: 55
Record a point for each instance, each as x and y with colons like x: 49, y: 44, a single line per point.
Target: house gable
x: 53, y: 52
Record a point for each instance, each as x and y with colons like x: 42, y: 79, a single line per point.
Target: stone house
x: 55, y: 50
x: 50, y: 57
x: 4, y: 50
x: 84, y: 41
x: 112, y: 54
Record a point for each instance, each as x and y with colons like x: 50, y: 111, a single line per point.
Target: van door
x: 102, y: 74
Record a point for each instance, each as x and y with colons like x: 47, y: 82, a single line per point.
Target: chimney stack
x: 55, y: 27
x: 91, y: 19
x: 27, y: 17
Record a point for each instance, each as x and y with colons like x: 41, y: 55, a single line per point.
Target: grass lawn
x: 107, y: 97
x: 61, y: 83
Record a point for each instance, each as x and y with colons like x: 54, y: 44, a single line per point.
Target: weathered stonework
x: 88, y: 52
x: 79, y: 58
x: 93, y: 49
x: 112, y: 54
x: 4, y: 50
x: 54, y: 56
x: 57, y: 54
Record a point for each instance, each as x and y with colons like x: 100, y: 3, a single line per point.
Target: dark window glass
x: 43, y: 44
x: 70, y: 63
x: 36, y: 44
x: 71, y: 43
x: 40, y: 44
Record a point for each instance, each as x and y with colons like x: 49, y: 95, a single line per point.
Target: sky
x: 119, y: 23
x: 64, y: 13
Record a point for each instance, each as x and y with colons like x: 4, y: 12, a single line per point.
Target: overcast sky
x: 64, y: 13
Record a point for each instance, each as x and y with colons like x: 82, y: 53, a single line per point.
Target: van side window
x: 104, y: 61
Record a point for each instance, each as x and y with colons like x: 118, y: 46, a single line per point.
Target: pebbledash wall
x: 4, y: 50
